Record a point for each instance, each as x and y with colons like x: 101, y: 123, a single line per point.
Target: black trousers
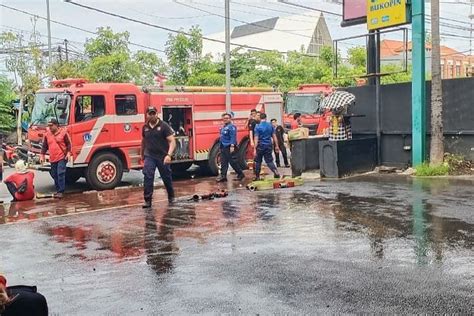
x: 12, y: 189
x: 283, y: 153
x: 27, y: 301
x: 229, y: 158
x: 149, y: 167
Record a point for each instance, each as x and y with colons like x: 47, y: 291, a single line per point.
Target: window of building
x: 125, y: 104
x: 458, y: 71
x: 89, y: 107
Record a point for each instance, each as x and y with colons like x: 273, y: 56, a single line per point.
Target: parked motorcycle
x: 13, y: 153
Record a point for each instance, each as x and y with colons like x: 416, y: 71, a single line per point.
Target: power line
x: 259, y: 14
x: 310, y: 8
x: 266, y: 8
x: 31, y: 32
x: 75, y: 27
x: 245, y: 22
x: 170, y: 18
x: 170, y: 29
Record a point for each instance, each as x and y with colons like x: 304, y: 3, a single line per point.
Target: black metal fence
x: 458, y: 118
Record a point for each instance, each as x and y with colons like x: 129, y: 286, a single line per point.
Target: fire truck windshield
x: 48, y: 106
x: 302, y: 103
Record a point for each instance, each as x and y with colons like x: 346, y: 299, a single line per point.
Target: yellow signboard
x: 386, y: 13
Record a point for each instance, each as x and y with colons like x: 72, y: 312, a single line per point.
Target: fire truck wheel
x: 104, y: 172
x: 213, y: 164
x: 243, y: 153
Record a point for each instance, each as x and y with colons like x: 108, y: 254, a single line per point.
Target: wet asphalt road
x: 376, y: 244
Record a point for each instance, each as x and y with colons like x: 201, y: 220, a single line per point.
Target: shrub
x: 425, y: 170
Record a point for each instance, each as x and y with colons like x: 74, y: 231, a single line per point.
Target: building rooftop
x: 280, y: 33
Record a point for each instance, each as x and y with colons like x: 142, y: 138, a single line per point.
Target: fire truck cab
x: 105, y: 123
x: 306, y: 100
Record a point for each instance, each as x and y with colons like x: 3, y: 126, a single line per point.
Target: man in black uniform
x: 279, y: 132
x: 251, y: 123
x: 158, y: 145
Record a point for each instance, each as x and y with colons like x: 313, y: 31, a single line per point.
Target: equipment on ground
x: 269, y: 184
x: 45, y: 195
x: 210, y: 196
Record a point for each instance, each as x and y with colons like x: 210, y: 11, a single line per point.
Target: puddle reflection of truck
x: 105, y: 120
x: 306, y: 100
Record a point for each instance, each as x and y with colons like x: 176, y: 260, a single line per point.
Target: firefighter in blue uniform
x: 264, y: 136
x: 228, y: 149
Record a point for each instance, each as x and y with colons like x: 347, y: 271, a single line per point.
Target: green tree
x: 24, y: 59
x: 7, y: 119
x: 183, y: 53
x: 145, y: 65
x: 357, y: 57
x: 68, y: 69
x: 109, y: 57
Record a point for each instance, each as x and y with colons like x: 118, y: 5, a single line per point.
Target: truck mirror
x: 62, y: 101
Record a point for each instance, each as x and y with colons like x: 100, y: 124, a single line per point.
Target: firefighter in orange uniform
x: 58, y: 144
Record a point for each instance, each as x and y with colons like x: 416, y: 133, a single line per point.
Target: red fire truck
x: 306, y: 100
x: 105, y: 120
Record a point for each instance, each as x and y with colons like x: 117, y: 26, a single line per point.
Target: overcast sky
x: 170, y: 14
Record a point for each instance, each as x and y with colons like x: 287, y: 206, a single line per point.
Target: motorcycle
x: 13, y: 153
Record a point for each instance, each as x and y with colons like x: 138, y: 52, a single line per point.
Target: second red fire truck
x: 306, y: 100
x: 105, y: 122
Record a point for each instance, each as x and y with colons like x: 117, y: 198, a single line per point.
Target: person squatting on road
x: 158, y: 145
x: 228, y: 149
x: 21, y: 300
x: 264, y: 135
x: 20, y: 184
x: 279, y: 132
x: 58, y: 143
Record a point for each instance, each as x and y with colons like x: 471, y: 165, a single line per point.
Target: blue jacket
x: 265, y: 132
x: 228, y: 135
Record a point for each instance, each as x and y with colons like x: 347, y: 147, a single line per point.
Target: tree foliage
x: 7, y: 96
x: 184, y: 53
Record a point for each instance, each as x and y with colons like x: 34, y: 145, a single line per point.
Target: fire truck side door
x: 90, y: 128
x: 128, y: 126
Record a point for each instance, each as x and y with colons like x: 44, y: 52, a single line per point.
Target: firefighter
x: 228, y: 149
x: 158, y: 145
x: 296, y: 123
x: 21, y: 300
x: 251, y: 123
x: 58, y: 144
x: 264, y: 135
x: 279, y: 132
x: 20, y: 184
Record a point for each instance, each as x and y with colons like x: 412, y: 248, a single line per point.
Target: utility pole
x: 49, y: 32
x: 418, y: 84
x: 20, y: 114
x: 228, y: 99
x: 59, y: 53
x: 65, y: 49
x: 471, y: 16
x: 436, y: 142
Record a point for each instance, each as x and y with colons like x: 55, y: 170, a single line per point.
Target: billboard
x: 354, y: 12
x: 384, y: 13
